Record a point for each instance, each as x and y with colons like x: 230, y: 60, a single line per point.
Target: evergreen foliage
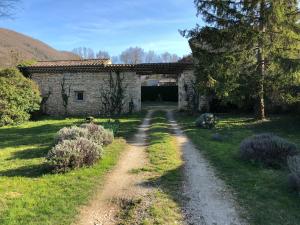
x: 19, y: 97
x: 248, y: 51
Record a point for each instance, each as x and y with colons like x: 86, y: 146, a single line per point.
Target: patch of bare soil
x: 208, y: 201
x: 122, y: 186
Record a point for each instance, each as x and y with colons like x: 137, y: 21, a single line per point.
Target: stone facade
x: 185, y: 89
x: 91, y: 84
x: 80, y: 87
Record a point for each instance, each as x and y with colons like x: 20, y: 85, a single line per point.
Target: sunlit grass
x: 263, y: 192
x: 163, y: 206
x: 29, y: 192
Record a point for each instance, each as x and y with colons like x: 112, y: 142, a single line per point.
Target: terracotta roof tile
x: 104, y: 66
x: 59, y: 63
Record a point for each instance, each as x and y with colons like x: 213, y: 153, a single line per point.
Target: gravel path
x: 120, y: 184
x: 208, y: 201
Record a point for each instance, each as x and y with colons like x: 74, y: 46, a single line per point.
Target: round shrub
x: 19, y: 96
x: 107, y: 137
x: 72, y: 154
x: 206, y: 120
x: 113, y: 125
x: 71, y: 133
x: 98, y: 134
x: 294, y: 167
x: 92, y: 128
x: 267, y: 149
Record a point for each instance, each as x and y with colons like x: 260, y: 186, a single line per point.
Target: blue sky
x: 109, y: 25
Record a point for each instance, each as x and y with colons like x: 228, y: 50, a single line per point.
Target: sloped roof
x: 103, y: 65
x: 59, y: 63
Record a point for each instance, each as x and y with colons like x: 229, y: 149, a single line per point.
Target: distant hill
x: 16, y: 48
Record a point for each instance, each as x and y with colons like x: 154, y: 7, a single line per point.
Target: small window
x: 79, y: 95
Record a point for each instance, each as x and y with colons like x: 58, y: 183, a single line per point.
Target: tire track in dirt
x: 120, y: 184
x: 208, y: 202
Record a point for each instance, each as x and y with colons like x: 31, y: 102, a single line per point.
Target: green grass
x: 163, y: 206
x: 263, y: 192
x: 165, y: 161
x: 29, y: 192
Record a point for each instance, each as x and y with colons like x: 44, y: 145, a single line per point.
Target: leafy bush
x: 113, y: 125
x: 72, y: 154
x: 294, y: 176
x: 89, y: 119
x: 107, y: 137
x: 206, y: 120
x: 268, y: 149
x: 98, y: 134
x: 19, y: 97
x: 71, y: 133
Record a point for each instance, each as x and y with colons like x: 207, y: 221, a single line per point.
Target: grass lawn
x: 263, y: 192
x: 165, y: 175
x: 29, y: 192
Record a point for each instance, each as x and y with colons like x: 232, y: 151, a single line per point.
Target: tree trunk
x: 260, y: 114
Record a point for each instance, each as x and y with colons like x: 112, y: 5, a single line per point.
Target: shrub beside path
x: 120, y: 185
x: 208, y: 202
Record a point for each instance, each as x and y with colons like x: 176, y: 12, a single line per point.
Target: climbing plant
x: 65, y: 94
x: 113, y: 94
x: 192, y: 96
x: 43, y: 106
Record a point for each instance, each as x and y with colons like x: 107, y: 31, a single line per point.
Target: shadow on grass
x: 38, y: 139
x: 170, y: 183
x: 32, y: 153
x: 32, y: 171
x: 168, y: 172
x: 15, y: 136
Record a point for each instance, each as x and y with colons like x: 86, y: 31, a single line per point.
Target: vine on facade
x: 192, y: 96
x: 65, y: 94
x: 113, y: 94
x: 43, y: 107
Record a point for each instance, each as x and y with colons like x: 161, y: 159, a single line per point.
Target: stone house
x: 95, y: 87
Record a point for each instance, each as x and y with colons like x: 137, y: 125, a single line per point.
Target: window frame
x: 77, y: 94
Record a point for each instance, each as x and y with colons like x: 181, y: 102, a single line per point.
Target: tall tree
x: 115, y: 59
x: 259, y: 39
x: 84, y: 52
x: 103, y: 55
x: 132, y: 55
x: 152, y: 57
x: 168, y: 57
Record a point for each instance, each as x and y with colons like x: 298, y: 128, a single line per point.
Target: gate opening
x: 159, y: 88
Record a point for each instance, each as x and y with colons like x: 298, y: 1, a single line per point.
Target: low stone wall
x: 54, y: 85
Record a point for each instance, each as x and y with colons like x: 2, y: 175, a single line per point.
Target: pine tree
x: 257, y: 40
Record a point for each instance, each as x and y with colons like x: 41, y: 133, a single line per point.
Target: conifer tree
x: 253, y: 43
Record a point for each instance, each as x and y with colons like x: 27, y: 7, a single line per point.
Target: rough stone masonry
x: 89, y: 87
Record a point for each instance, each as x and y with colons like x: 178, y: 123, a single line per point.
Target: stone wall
x: 185, y: 89
x: 91, y: 84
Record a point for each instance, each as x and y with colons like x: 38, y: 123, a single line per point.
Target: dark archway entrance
x: 160, y: 93
x: 159, y: 88
x: 170, y: 83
